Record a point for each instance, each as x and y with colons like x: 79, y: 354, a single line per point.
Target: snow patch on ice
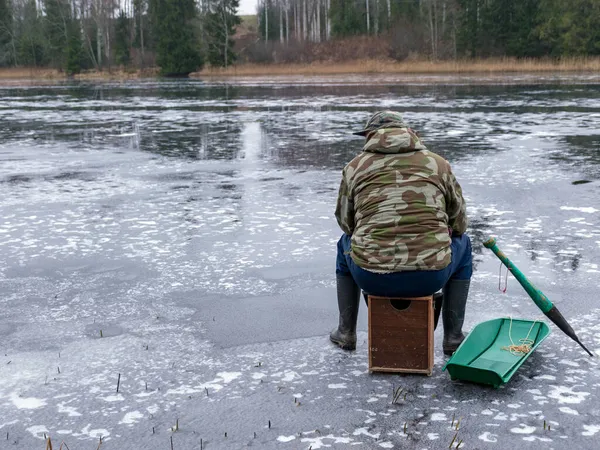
x: 38, y: 431
x: 564, y: 394
x: 567, y: 410
x: 584, y: 209
x: 228, y: 377
x: 590, y: 430
x: 523, y: 429
x: 69, y: 410
x: 545, y: 377
x: 318, y: 442
x: 360, y: 431
x: 94, y: 434
x: 337, y: 386
x: 488, y: 437
x: 113, y: 398
x: 131, y: 418
x: 536, y: 438
x: 27, y: 402
x: 8, y: 423
x: 286, y: 438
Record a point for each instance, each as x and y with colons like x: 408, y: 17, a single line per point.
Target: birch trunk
x: 266, y: 20
x: 368, y: 18
x: 280, y: 22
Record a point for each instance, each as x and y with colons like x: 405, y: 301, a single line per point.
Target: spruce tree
x: 177, y: 50
x: 63, y: 36
x: 122, y: 39
x: 31, y: 46
x: 6, y: 34
x: 220, y: 22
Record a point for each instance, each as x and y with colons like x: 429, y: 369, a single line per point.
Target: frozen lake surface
x: 181, y: 234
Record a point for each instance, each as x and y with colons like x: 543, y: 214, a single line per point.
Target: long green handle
x: 536, y: 295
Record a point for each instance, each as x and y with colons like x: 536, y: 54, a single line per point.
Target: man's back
x: 397, y: 201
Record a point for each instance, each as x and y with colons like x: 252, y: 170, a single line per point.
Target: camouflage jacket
x: 397, y: 200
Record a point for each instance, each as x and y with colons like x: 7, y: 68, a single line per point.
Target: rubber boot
x: 453, y: 313
x: 348, y: 294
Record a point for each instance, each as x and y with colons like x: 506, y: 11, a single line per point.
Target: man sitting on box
x: 404, y: 219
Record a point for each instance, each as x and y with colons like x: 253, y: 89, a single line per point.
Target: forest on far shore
x: 182, y: 36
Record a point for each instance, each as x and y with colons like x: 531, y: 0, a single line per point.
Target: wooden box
x: 401, y: 334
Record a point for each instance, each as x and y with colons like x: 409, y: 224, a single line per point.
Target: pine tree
x: 177, y: 50
x: 220, y: 22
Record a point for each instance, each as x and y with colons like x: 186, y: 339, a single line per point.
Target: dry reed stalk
x: 360, y: 66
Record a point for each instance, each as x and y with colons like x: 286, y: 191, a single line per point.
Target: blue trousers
x: 417, y: 283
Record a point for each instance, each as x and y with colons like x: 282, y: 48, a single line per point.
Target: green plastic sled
x: 480, y: 358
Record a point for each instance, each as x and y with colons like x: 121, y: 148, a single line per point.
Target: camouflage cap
x: 382, y: 119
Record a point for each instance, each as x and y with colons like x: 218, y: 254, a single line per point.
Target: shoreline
x: 357, y: 67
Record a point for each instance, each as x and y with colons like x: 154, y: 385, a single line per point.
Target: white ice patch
x: 113, y: 398
x: 584, y: 209
x: 438, y: 417
x: 488, y: 437
x: 536, y: 438
x: 361, y: 431
x: 337, y: 386
x: 258, y: 375
x: 564, y: 394
x: 567, y: 362
x: 228, y: 377
x: 567, y: 410
x: 433, y: 436
x: 94, y: 434
x: 523, y: 429
x: 318, y: 442
x: 27, y: 402
x: 590, y: 430
x: 69, y: 410
x: 131, y: 418
x: 386, y: 444
x: 286, y: 438
x: 38, y: 431
x: 7, y: 423
x: 545, y: 377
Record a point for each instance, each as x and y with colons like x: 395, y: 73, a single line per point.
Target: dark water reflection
x: 300, y: 125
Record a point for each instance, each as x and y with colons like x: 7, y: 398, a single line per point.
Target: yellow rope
x: 525, y: 344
